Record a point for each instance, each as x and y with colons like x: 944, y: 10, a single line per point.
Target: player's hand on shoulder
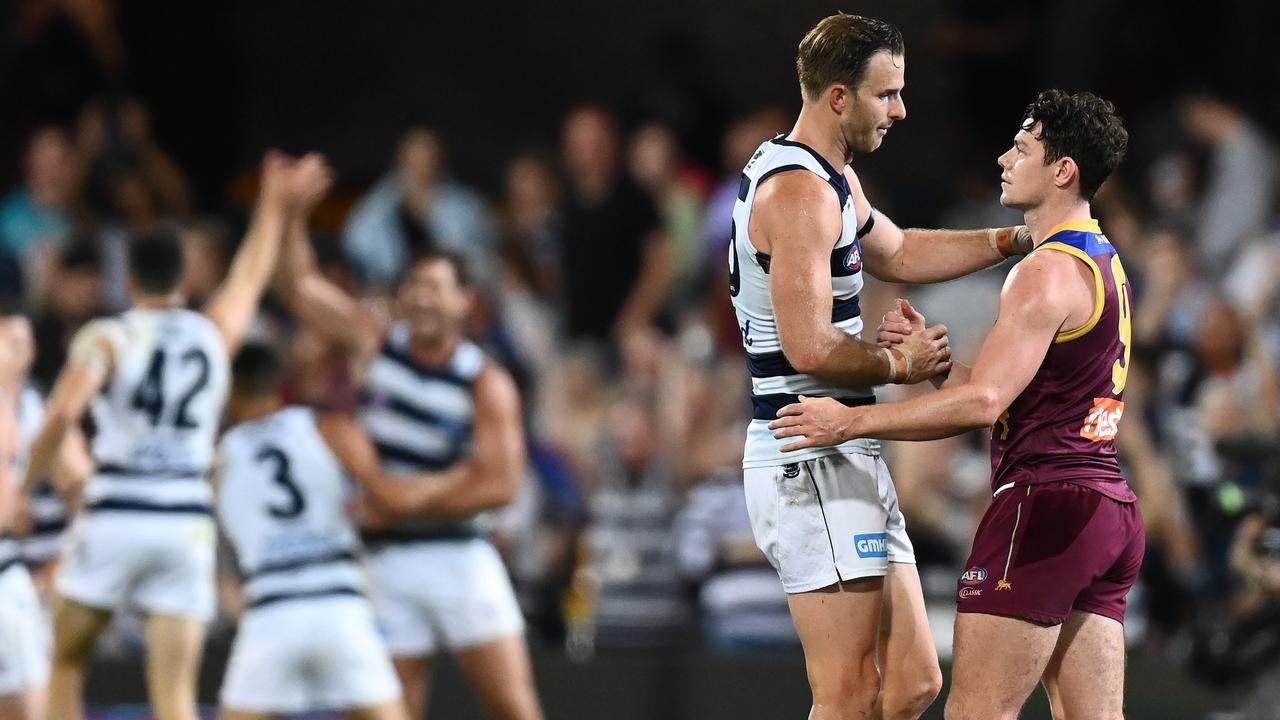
x: 817, y: 421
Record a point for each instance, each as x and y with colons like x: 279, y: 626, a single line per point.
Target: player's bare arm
x: 320, y: 303
x: 233, y: 305
x: 893, y: 254
x: 488, y: 480
x: 1044, y: 295
x: 796, y: 218
x: 90, y: 362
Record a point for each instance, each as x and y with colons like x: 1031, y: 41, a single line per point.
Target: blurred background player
x: 803, y: 232
x: 157, y: 377
x: 432, y: 401
x: 307, y: 640
x: 24, y: 659
x: 1060, y: 546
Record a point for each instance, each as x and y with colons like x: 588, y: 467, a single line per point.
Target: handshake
x: 915, y: 352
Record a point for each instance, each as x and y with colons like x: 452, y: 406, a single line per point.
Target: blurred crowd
x: 601, y: 270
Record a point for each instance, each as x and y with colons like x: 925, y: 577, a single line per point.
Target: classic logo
x: 973, y: 576
x: 969, y: 592
x: 871, y: 545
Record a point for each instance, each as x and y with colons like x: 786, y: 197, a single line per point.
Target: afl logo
x: 853, y: 261
x: 973, y: 576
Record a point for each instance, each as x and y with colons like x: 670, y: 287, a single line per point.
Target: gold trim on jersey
x: 1090, y: 226
x: 1099, y: 302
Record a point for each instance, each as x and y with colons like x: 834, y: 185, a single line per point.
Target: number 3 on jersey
x: 282, y: 477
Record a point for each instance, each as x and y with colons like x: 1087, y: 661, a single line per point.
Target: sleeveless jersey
x: 420, y: 419
x: 158, y: 416
x: 1062, y: 427
x: 774, y: 382
x: 282, y: 505
x: 49, y: 512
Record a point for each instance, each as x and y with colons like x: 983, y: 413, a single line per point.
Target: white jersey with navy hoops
x: 774, y: 382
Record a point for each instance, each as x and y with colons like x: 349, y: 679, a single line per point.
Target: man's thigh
x: 1085, y: 676
x: 997, y: 663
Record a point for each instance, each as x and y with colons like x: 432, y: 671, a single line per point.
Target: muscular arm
x: 321, y: 304
x: 924, y: 256
x: 91, y: 361
x: 1044, y: 294
x: 487, y: 481
x: 797, y: 217
x: 234, y: 303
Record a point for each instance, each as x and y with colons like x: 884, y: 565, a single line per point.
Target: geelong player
x: 1043, y: 596
x: 431, y: 401
x: 156, y: 376
x: 803, y: 232
x: 282, y: 503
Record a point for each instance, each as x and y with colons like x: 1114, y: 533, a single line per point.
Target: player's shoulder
x: 797, y: 194
x: 1044, y: 279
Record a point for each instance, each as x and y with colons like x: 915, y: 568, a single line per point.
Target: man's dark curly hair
x: 1083, y: 127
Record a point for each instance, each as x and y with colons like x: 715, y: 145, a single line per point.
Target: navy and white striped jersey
x: 158, y: 416
x: 774, y: 382
x: 282, y: 504
x: 49, y: 512
x: 420, y: 419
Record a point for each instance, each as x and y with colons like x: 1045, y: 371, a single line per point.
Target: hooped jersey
x: 1062, y: 427
x: 157, y: 417
x: 282, y: 504
x: 774, y: 382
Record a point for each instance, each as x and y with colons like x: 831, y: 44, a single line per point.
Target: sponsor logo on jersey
x: 1004, y: 585
x: 871, y: 545
x: 853, y: 261
x: 1103, y: 420
x: 968, y: 592
x: 790, y: 471
x: 973, y: 576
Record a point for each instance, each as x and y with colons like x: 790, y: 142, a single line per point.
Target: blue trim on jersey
x: 300, y: 563
x: 846, y: 309
x: 8, y: 563
x: 403, y: 359
x: 409, y: 535
x: 1090, y: 243
x: 123, y: 472
x: 766, y: 407
x: 336, y: 590
x: 387, y: 451
x: 770, y: 364
x: 418, y: 413
x: 744, y: 187
x: 780, y: 169
x: 112, y: 504
x: 837, y: 180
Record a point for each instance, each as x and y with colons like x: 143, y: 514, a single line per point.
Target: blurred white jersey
x: 774, y: 382
x: 282, y: 503
x: 158, y: 417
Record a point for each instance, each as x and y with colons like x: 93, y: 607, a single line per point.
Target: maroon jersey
x: 1062, y: 427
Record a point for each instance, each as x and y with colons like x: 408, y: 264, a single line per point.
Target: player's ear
x: 1065, y: 172
x: 838, y: 97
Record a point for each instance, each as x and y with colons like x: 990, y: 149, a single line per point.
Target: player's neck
x: 250, y: 409
x: 159, y: 302
x: 433, y: 351
x: 823, y: 137
x: 1043, y: 219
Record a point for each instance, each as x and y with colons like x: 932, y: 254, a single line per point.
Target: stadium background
x: 628, y: 519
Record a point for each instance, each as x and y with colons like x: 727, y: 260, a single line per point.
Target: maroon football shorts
x: 1044, y: 550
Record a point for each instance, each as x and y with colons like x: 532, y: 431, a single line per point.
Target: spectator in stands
x: 616, y: 260
x: 656, y: 166
x: 37, y: 215
x: 418, y: 204
x: 74, y: 297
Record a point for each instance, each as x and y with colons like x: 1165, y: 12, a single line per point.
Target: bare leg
x: 229, y: 714
x: 173, y: 664
x: 415, y: 679
x: 25, y: 705
x: 502, y: 676
x: 1085, y: 676
x: 838, y: 627
x: 910, y: 677
x: 75, y: 628
x: 998, y: 661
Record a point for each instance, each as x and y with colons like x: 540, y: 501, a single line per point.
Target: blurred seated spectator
x: 656, y: 166
x: 416, y: 204
x: 743, y: 606
x: 37, y: 215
